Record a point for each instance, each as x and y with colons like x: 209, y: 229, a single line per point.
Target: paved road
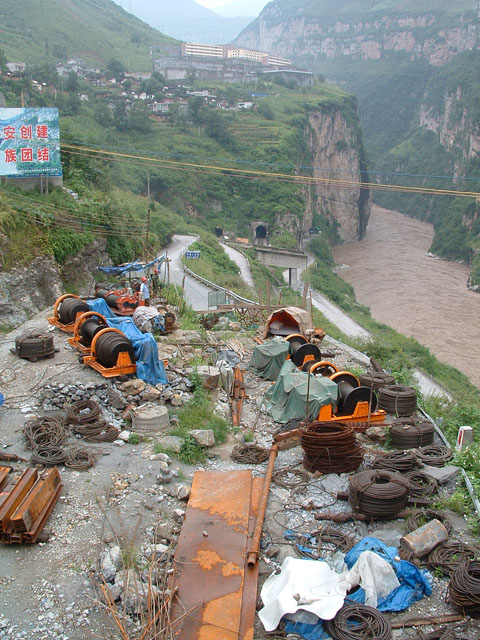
x: 242, y: 262
x: 196, y: 293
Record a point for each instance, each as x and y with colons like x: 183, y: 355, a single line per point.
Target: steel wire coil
x: 443, y: 633
x: 34, y: 344
x: 419, y: 517
x: 401, y: 461
x: 411, y: 434
x: 330, y: 447
x: 449, y: 554
x: 464, y: 587
x: 435, y: 455
x: 84, y: 412
x: 43, y: 432
x: 376, y: 380
x: 90, y: 428
x: 249, y: 454
x: 398, y: 400
x: 359, y: 622
x: 290, y: 478
x: 311, y: 545
x: 110, y: 345
x: 49, y: 456
x: 378, y: 493
x: 108, y: 434
x: 80, y: 458
x: 69, y: 307
x: 421, y: 484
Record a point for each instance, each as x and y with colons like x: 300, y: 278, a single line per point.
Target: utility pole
x: 146, y: 235
x: 148, y: 185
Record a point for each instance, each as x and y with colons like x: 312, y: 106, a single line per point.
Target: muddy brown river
x: 415, y: 294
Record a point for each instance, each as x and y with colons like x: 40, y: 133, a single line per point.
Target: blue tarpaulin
x: 149, y: 367
x: 414, y: 584
x: 132, y: 266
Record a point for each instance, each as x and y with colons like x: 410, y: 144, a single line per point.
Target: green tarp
x: 268, y: 358
x: 287, y: 398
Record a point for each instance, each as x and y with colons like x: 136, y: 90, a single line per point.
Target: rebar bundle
x: 376, y: 380
x: 449, y: 554
x: 330, y: 447
x: 435, y: 456
x: 419, y: 517
x: 378, y: 493
x: 396, y: 461
x: 43, y: 432
x: 84, y: 412
x: 34, y: 344
x: 464, y: 587
x: 249, y: 454
x: 359, y: 622
x: 421, y: 484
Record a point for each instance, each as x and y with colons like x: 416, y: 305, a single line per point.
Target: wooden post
x: 269, y: 304
x: 304, y: 297
x: 311, y: 307
x: 146, y: 236
x: 280, y: 298
x: 260, y: 301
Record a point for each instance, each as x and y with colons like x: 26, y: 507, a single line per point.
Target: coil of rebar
x: 45, y: 431
x: 411, y: 434
x: 359, y: 622
x: 464, y: 587
x: 80, y: 458
x: 401, y: 461
x: 376, y: 380
x: 419, y: 517
x: 109, y: 433
x: 249, y: 454
x: 327, y: 538
x: 34, y: 344
x: 378, y: 493
x: 49, y: 456
x: 435, y: 455
x: 398, y: 400
x: 444, y: 633
x: 421, y: 484
x: 449, y: 554
x: 84, y: 412
x: 290, y: 478
x: 330, y: 447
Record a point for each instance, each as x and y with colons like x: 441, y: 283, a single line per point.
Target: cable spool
x: 376, y: 380
x: 322, y: 368
x: 378, y: 493
x: 69, y: 307
x: 110, y: 298
x: 301, y: 350
x: 34, y: 344
x: 411, y: 434
x: 398, y: 400
x: 351, y: 393
x: 89, y: 327
x: 109, y: 343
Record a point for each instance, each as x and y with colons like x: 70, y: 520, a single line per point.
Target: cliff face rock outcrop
x: 336, y: 145
x: 24, y: 291
x: 316, y: 38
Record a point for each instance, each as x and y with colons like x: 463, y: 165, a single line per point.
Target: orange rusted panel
x: 210, y: 559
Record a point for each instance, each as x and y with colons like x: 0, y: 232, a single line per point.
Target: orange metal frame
x: 124, y: 364
x: 361, y: 414
x: 75, y: 341
x: 55, y: 320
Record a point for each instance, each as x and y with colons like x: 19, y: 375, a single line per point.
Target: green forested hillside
x: 36, y: 31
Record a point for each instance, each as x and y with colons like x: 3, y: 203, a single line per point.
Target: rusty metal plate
x: 210, y: 559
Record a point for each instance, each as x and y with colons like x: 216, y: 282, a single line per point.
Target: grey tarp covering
x: 268, y: 358
x: 287, y: 398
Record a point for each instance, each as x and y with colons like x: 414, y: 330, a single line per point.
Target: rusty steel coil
x: 419, y: 517
x: 311, y: 545
x: 90, y: 428
x: 49, y: 456
x: 249, y: 454
x: 421, y: 484
x: 34, y: 344
x: 449, y: 554
x: 464, y: 587
x: 109, y: 433
x: 80, y: 458
x: 398, y: 400
x: 290, y: 478
x: 401, y: 461
x: 69, y: 307
x: 359, y: 622
x: 378, y: 493
x: 45, y: 431
x: 411, y: 433
x: 376, y: 380
x: 330, y: 447
x: 435, y: 455
x: 84, y: 412
x: 444, y: 633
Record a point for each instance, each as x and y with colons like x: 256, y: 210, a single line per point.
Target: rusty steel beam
x: 215, y: 592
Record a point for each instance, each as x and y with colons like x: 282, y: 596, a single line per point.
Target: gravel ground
x: 47, y: 589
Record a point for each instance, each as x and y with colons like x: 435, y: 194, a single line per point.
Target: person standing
x: 145, y: 291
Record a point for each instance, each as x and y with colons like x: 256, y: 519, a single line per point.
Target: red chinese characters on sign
x: 42, y: 131
x: 10, y: 155
x: 43, y: 155
x: 9, y: 133
x: 26, y: 132
x: 26, y: 154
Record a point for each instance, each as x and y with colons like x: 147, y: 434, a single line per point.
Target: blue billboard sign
x: 29, y: 143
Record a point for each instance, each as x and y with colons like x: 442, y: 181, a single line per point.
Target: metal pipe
x: 253, y: 554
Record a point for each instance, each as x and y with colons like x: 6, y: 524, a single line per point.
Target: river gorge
x: 414, y: 293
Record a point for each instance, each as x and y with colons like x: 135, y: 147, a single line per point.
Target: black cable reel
x: 351, y: 393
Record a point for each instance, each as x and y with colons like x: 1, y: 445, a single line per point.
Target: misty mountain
x: 241, y: 8
x: 186, y: 20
